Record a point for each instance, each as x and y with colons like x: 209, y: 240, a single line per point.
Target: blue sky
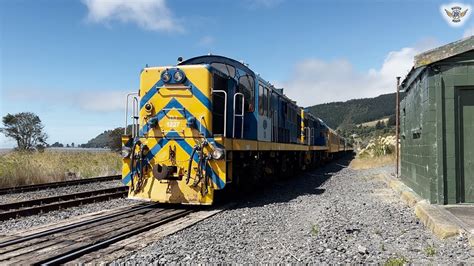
x: 71, y: 62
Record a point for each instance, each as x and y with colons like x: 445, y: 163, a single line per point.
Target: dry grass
x: 373, y: 123
x: 367, y: 163
x: 24, y: 168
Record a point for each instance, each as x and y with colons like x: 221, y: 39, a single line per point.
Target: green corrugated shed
x: 437, y: 124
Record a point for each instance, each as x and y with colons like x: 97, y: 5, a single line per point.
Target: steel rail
x: 27, y: 188
x: 66, y: 197
x: 76, y: 253
x: 16, y: 209
x: 134, y: 208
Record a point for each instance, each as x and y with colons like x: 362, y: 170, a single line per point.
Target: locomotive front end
x: 169, y: 153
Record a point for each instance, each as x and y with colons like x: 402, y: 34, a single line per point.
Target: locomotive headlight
x: 217, y: 153
x: 126, y: 152
x: 179, y: 76
x: 166, y: 77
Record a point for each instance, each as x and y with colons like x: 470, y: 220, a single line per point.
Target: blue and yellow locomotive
x: 209, y: 122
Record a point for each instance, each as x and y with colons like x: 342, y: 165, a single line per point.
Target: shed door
x: 466, y: 144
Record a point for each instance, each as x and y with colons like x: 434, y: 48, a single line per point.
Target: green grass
x: 430, y: 251
x: 397, y: 261
x: 314, y: 229
x: 24, y: 168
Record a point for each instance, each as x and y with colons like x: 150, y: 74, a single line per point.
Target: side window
x: 270, y: 106
x: 260, y: 99
x: 246, y: 86
x: 265, y: 102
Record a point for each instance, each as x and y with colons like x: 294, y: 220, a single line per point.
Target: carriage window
x: 224, y: 68
x: 246, y: 86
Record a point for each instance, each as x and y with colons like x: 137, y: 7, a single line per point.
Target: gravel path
x: 332, y: 215
x: 22, y: 223
x: 7, y: 198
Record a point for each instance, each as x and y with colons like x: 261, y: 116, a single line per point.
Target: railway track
x: 58, y: 184
x: 42, y: 205
x: 97, y: 237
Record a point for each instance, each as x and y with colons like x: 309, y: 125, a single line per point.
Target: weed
x: 397, y: 261
x: 383, y: 247
x: 430, y: 251
x: 315, y: 230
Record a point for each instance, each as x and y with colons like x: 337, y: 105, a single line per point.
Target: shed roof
x: 445, y: 51
x: 435, y: 55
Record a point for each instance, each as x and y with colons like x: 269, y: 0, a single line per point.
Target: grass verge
x: 25, y: 168
x: 368, y: 163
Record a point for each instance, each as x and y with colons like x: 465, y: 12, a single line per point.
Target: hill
x: 110, y: 139
x: 339, y: 115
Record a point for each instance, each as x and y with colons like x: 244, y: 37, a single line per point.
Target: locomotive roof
x: 209, y: 59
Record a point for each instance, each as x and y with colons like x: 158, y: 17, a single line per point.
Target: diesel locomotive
x: 210, y: 122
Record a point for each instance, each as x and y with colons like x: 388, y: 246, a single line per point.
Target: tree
x: 57, y: 145
x: 26, y: 129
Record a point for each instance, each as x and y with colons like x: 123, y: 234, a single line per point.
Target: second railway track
x: 47, y: 204
x: 27, y: 188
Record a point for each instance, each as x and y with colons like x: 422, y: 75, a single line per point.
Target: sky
x: 72, y: 61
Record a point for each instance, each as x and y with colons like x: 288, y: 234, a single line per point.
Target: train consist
x: 209, y: 123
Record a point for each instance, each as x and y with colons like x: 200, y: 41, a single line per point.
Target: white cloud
x: 263, y: 3
x: 317, y: 81
x: 206, y: 41
x: 469, y: 32
x: 88, y: 100
x: 148, y: 14
x: 103, y: 101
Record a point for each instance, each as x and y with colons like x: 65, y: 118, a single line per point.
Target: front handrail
x: 225, y: 108
x: 135, y: 116
x: 126, y: 110
x: 238, y: 115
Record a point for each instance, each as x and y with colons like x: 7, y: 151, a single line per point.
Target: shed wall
x: 418, y: 135
x: 428, y: 129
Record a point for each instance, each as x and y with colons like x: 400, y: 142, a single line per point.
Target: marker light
x: 179, y: 76
x: 126, y: 152
x: 166, y: 77
x: 217, y: 153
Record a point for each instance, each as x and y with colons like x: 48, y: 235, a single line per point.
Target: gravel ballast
x: 43, y: 193
x: 332, y: 215
x: 22, y: 223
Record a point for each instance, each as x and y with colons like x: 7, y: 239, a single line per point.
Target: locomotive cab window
x: 260, y: 99
x: 224, y: 68
x: 265, y: 101
x: 246, y: 87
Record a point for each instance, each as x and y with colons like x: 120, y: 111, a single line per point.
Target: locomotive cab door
x: 264, y: 113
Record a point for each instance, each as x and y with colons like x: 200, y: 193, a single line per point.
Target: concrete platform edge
x: 439, y: 221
